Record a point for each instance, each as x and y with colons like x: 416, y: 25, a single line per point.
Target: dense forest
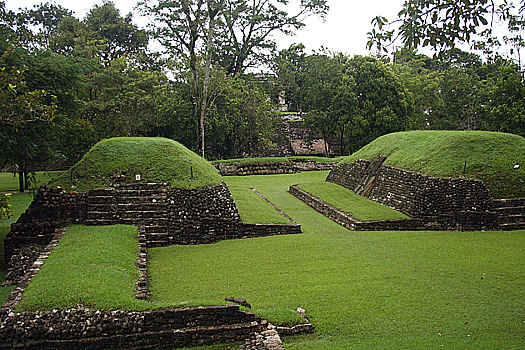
x: 208, y: 74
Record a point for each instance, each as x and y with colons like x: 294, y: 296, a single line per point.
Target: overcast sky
x: 344, y: 29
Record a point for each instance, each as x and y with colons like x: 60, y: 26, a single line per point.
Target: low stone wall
x: 269, y: 168
x: 415, y: 194
x: 465, y: 221
x: 159, y: 329
x: 51, y: 209
x: 169, y: 215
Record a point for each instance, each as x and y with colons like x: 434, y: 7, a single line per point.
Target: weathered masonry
x: 169, y: 215
x: 435, y: 203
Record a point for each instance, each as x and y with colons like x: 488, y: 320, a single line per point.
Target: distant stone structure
x: 293, y: 138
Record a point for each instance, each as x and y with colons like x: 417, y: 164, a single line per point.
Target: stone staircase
x: 365, y: 187
x: 132, y: 204
x: 511, y: 213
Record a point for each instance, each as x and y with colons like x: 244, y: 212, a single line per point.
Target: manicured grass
x: 91, y: 266
x: 155, y: 159
x: 9, y: 182
x: 254, y: 209
x: 358, y: 207
x: 362, y: 290
x: 490, y: 156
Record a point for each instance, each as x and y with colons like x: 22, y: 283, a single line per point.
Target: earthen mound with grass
x: 125, y: 159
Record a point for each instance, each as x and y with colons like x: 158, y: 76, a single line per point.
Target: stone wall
x: 464, y: 221
x: 168, y: 215
x: 269, y: 168
x: 51, y: 209
x: 415, y: 194
x: 159, y: 329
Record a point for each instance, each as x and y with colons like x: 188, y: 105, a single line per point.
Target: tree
x: 507, y: 101
x: 246, y: 41
x: 187, y: 30
x: 290, y: 67
x: 383, y: 104
x: 439, y: 24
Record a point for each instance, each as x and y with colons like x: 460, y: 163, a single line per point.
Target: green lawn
x: 362, y: 290
x: 9, y: 182
x: 358, y: 207
x: 91, y: 266
x: 254, y: 209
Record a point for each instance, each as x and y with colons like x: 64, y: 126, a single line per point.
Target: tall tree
x: 187, y: 30
x: 246, y: 40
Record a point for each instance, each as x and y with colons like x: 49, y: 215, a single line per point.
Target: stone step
x: 150, y: 214
x: 510, y: 219
x: 147, y: 222
x: 510, y: 210
x: 103, y: 208
x: 99, y: 214
x: 512, y: 202
x: 100, y: 199
x: 149, y: 206
x: 512, y: 226
x: 143, y: 186
x: 154, y: 244
x: 100, y: 222
x: 141, y: 200
x: 149, y: 229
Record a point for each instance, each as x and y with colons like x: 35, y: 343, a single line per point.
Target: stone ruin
x: 431, y: 203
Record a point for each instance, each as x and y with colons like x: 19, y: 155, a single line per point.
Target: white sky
x: 344, y: 29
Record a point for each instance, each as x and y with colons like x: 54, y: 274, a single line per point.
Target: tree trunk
x: 207, y: 73
x: 21, y: 181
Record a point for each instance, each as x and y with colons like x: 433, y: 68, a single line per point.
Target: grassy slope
x: 155, y: 159
x: 254, y: 209
x: 92, y: 266
x: 362, y: 290
x: 490, y: 156
x: 358, y: 207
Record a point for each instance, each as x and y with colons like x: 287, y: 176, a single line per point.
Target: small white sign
x: 137, y: 177
x: 517, y: 166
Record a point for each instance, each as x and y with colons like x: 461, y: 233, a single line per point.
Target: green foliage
x: 155, y: 159
x: 358, y: 207
x: 93, y: 267
x: 438, y: 24
x: 254, y: 209
x: 507, y: 101
x: 5, y: 207
x: 490, y: 156
x: 373, y: 290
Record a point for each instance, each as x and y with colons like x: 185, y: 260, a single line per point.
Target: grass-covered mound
x: 491, y: 156
x: 155, y: 159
